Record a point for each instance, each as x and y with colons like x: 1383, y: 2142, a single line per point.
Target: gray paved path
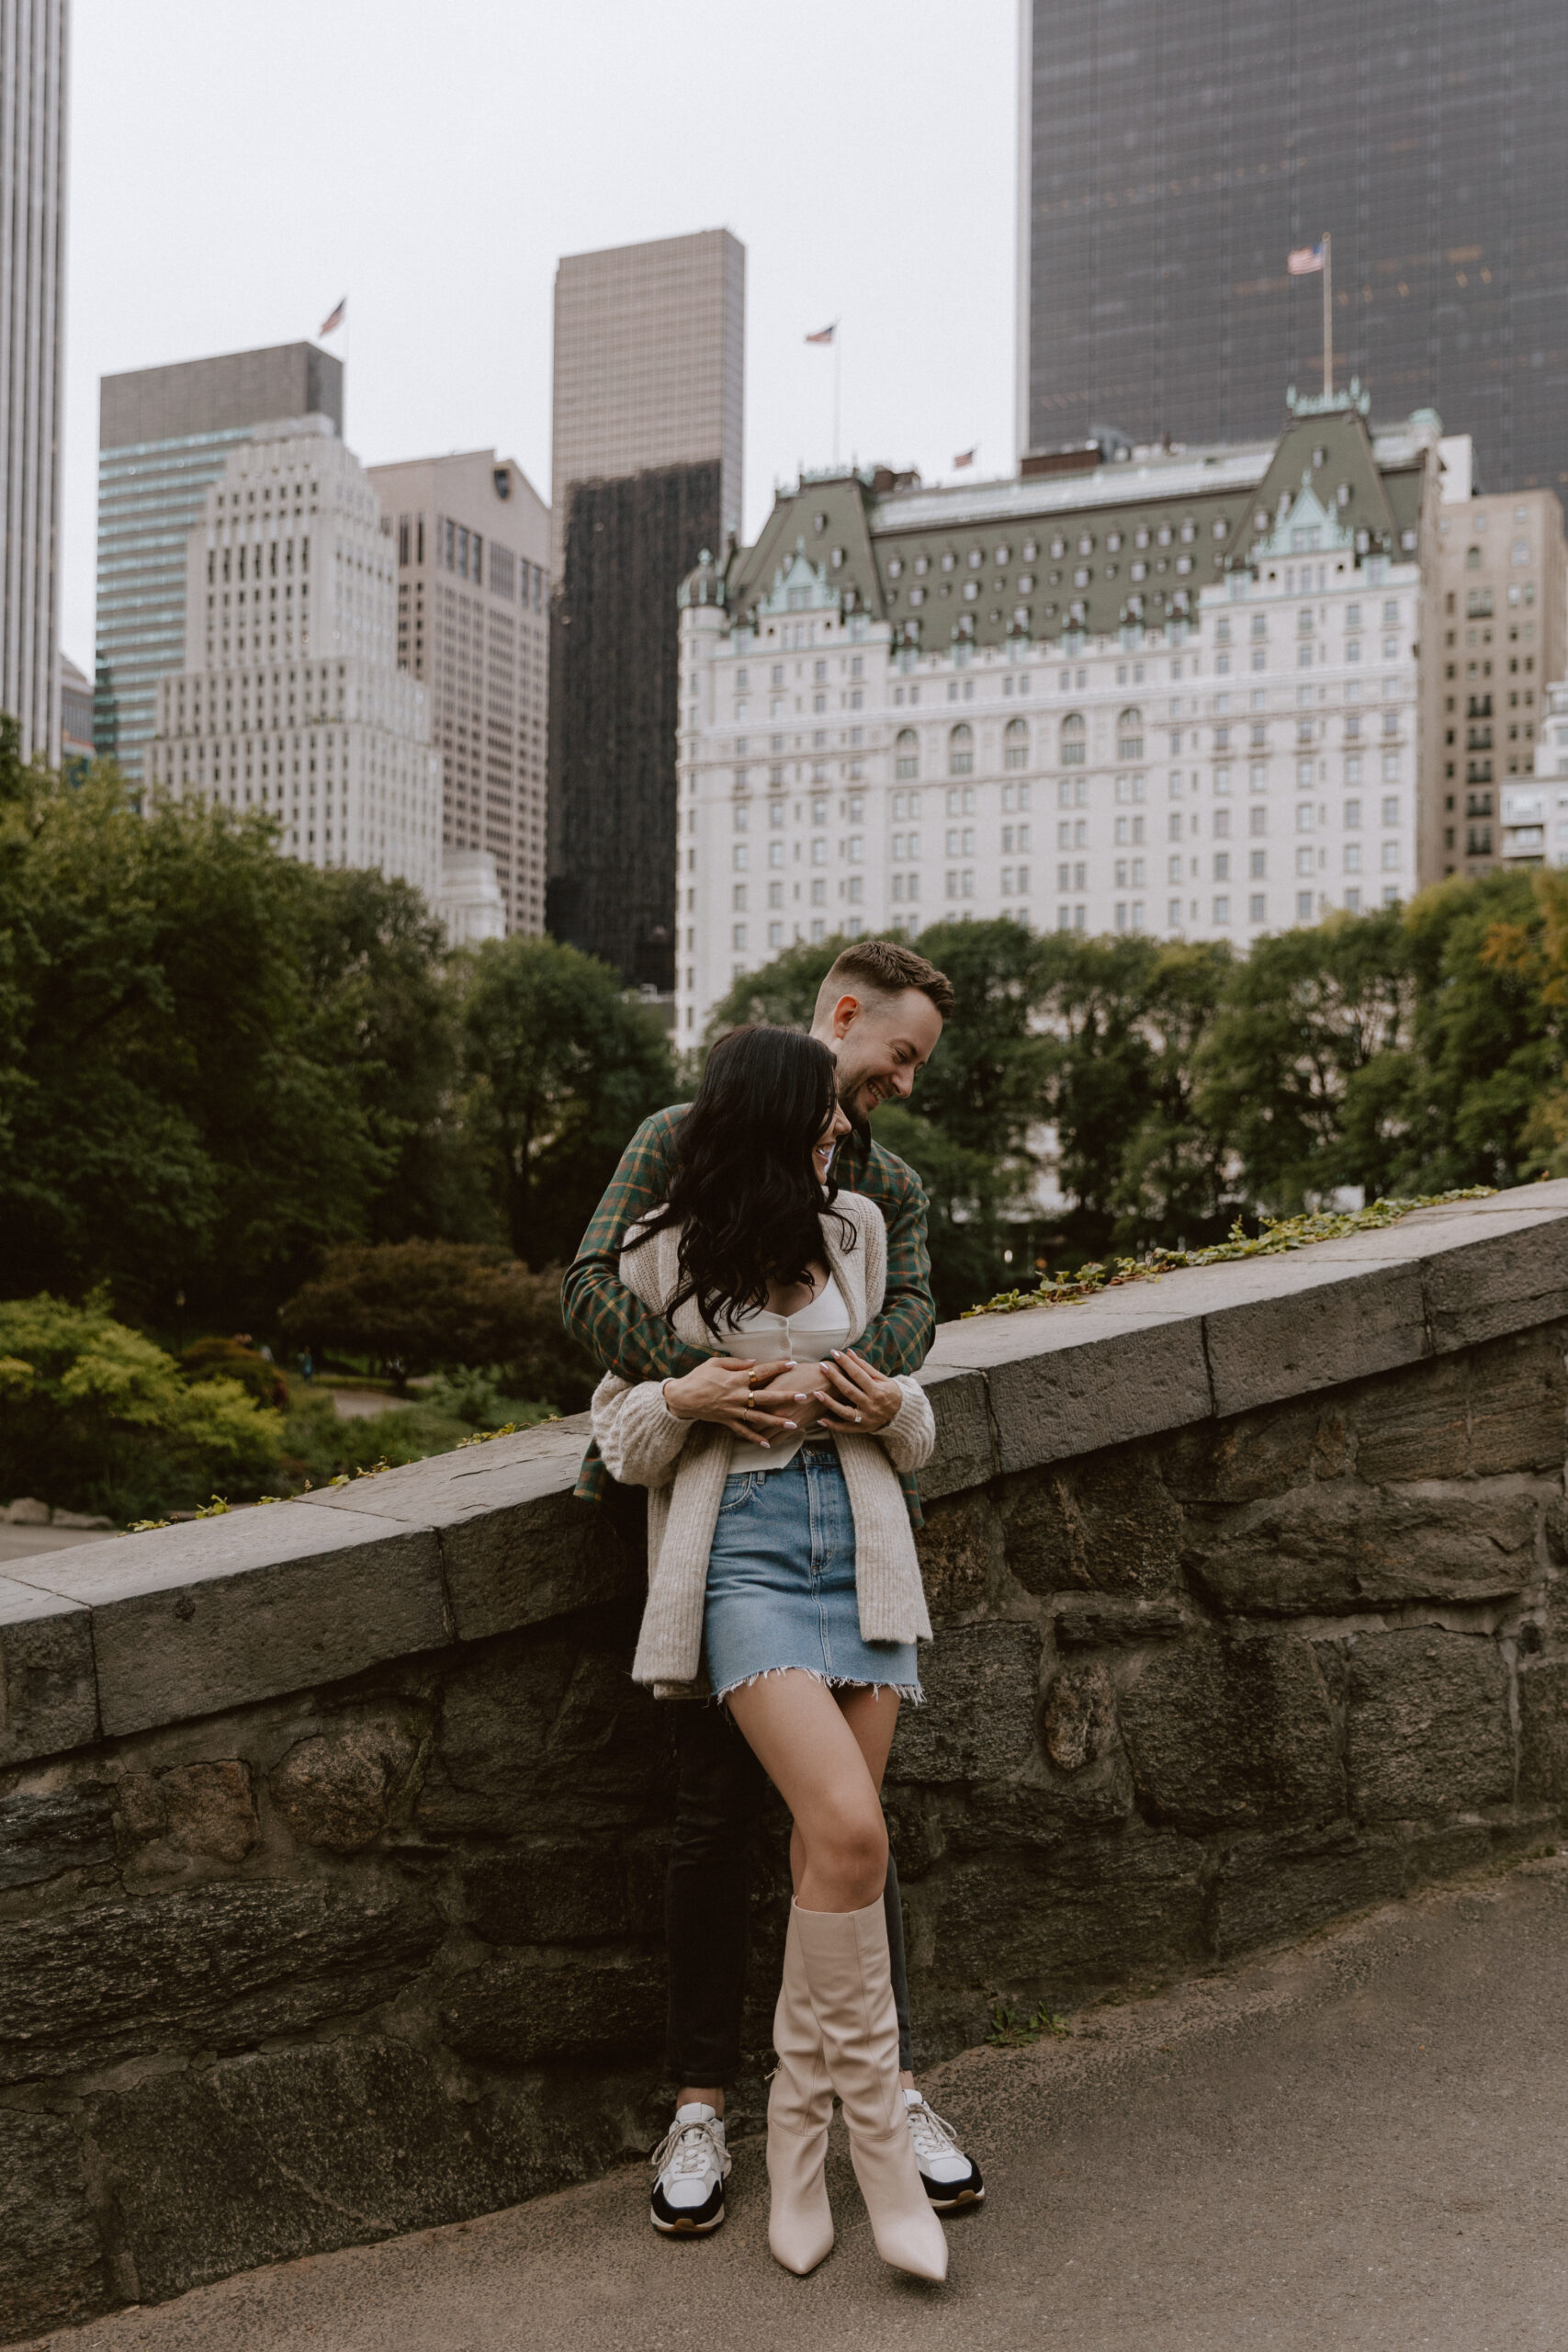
x: 1360, y: 2144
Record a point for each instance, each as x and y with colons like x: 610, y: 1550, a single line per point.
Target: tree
x: 782, y: 992
x: 561, y: 1067
x: 1172, y: 1183
x: 432, y: 1306
x: 1303, y: 1069
x: 215, y: 1059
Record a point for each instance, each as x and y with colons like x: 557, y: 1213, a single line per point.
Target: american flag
x: 1305, y: 260
x: 967, y: 457
x: 335, y: 319
x: 824, y: 335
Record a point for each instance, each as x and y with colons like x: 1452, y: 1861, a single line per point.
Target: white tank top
x: 808, y: 1337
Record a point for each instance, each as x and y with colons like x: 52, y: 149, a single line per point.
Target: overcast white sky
x: 239, y: 164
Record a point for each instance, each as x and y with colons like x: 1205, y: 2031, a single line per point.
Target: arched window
x: 961, y: 750
x: 1015, y: 744
x: 906, y: 754
x: 1074, y: 749
x: 1130, y: 735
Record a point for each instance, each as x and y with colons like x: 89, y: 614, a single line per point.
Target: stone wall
x: 332, y: 1834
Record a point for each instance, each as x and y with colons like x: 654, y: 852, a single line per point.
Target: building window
x: 960, y: 749
x: 1075, y: 748
x: 1015, y: 744
x: 1130, y: 735
x: 907, y: 754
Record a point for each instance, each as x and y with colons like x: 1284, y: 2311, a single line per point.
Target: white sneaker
x: 952, y: 2179
x: 691, y: 2162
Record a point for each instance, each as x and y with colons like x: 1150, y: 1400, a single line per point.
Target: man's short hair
x: 883, y: 968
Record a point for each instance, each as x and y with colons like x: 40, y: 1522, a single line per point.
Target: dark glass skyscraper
x: 1173, y: 156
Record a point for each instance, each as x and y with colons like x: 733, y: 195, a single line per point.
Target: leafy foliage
x: 94, y: 1418
x: 1278, y: 1234
x: 561, y: 1068
x: 422, y: 1306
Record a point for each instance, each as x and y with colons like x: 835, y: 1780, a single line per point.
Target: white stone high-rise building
x: 294, y: 703
x: 1173, y: 692
x: 33, y: 57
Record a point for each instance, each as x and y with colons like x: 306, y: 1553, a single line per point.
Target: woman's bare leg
x: 825, y: 1753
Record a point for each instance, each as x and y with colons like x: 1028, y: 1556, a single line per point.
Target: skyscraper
x: 165, y: 435
x: 1172, y: 158
x: 290, y: 700
x: 472, y: 538
x: 650, y: 354
x: 32, y: 239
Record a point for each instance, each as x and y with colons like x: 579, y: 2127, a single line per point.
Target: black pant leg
x: 719, y: 1790
x: 892, y: 1904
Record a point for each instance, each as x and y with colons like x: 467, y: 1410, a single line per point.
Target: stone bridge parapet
x: 332, y: 1833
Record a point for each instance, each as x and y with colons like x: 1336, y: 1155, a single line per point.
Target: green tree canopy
x: 561, y: 1067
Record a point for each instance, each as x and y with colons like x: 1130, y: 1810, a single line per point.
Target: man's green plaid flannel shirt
x: 627, y: 1336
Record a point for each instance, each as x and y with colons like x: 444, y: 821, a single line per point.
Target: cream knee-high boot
x: 800, y: 2108
x: 845, y: 1954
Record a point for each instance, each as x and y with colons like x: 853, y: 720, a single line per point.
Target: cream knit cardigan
x: 683, y: 1465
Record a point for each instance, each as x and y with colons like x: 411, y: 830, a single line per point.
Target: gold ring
x: 750, y: 1384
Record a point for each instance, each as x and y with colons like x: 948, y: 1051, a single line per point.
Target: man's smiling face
x: 880, y: 1043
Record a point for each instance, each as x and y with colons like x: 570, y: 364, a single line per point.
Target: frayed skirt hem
x: 910, y: 1691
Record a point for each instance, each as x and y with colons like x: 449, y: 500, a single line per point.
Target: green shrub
x: 93, y: 1417
x: 236, y: 1360
x: 469, y: 1395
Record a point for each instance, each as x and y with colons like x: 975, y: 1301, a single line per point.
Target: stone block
x: 27, y: 1511
x: 1428, y: 1725
x: 1280, y: 1327
x: 1505, y: 1268
x: 1543, y: 1733
x: 337, y: 1790
x: 267, y: 2158
x: 525, y: 2008
x: 221, y: 1966
x: 965, y: 1454
x: 1226, y: 1731
x: 551, y: 1891
x: 1079, y: 1719
x: 961, y: 1553
x: 982, y: 1684
x: 1341, y: 1545
x: 1101, y: 1620
x: 1503, y: 1409
x: 43, y: 1837
x: 1091, y: 1911
x: 1105, y: 1523
x: 187, y: 1620
x: 49, y: 1693
x: 516, y: 1548
x: 52, y: 2268
x: 1284, y: 1884
x: 210, y: 1810
x: 534, y: 1734
x: 1105, y: 1382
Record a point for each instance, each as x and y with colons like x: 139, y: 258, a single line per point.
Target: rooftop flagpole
x: 1328, y: 314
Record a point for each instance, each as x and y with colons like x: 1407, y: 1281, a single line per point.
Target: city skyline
x: 436, y: 358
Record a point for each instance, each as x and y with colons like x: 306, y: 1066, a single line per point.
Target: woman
x: 788, y: 1563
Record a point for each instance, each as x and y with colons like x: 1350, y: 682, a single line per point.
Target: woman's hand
x: 858, y: 1397
x: 731, y: 1393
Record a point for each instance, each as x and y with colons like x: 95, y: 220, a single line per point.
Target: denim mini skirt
x: 781, y: 1583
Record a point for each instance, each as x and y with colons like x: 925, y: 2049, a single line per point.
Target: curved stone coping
x: 111, y: 1638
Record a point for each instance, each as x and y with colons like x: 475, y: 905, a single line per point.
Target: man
x: 879, y: 1012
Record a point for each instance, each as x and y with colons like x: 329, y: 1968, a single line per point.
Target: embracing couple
x: 756, y: 1284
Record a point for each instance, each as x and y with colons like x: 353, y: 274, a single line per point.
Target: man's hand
x: 860, y: 1399
x: 750, y: 1399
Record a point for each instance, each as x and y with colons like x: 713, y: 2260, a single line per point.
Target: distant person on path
x: 878, y: 1017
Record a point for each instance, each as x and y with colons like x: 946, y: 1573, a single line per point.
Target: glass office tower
x: 1173, y: 156
x: 164, y: 435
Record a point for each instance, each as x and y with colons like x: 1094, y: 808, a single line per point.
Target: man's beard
x: 860, y: 1121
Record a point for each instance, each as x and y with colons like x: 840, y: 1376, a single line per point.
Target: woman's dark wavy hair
x: 745, y: 1197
